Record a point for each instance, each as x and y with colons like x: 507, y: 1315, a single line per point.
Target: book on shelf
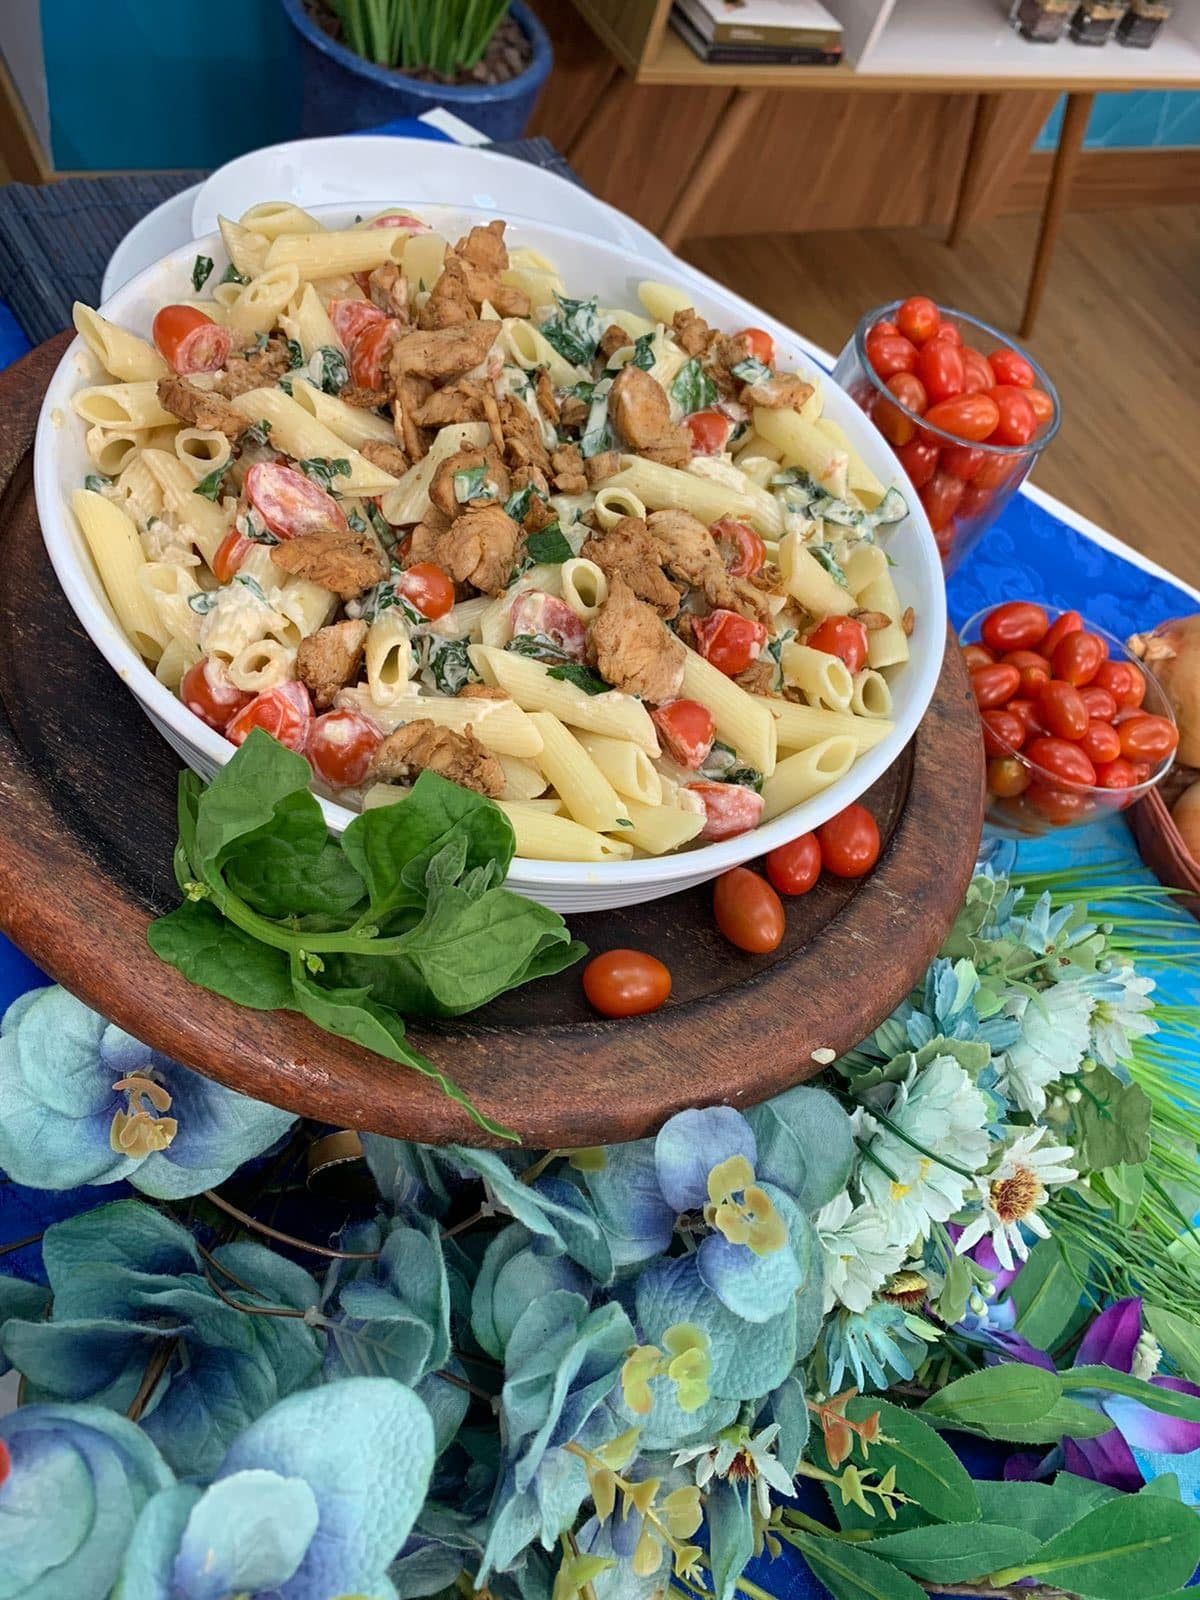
x: 769, y: 24
x: 752, y: 55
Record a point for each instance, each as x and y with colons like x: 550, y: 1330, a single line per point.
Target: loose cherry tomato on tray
x: 793, y: 868
x: 978, y: 376
x: 229, y: 555
x: 890, y: 352
x: 940, y: 497
x: 849, y: 842
x: 1034, y: 669
x: 940, y: 367
x: 285, y: 712
x: 961, y: 461
x: 748, y: 911
x: 1145, y: 737
x: 1101, y: 743
x: 919, y: 458
x: 1077, y: 658
x: 340, y: 746
x: 1007, y: 777
x: 1069, y: 622
x: 844, y: 637
x: 687, y: 730
x: 978, y: 655
x: 994, y: 685
x: 918, y: 318
x: 209, y: 693
x: 1100, y: 704
x: 1011, y: 367
x: 762, y: 346
x: 626, y: 983
x: 1017, y: 422
x: 729, y: 641
x: 966, y: 416
x: 1062, y: 711
x: 429, y: 589
x: 742, y: 551
x: 1003, y: 732
x: 729, y: 809
x: 1123, y: 681
x: 1015, y: 625
x: 710, y: 431
x: 289, y: 503
x: 190, y: 341
x: 1061, y: 758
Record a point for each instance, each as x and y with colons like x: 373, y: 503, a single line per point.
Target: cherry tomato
x: 762, y: 346
x: 793, y: 868
x: 1015, y: 625
x: 229, y: 555
x: 189, y: 341
x: 748, y: 911
x: 1043, y: 406
x: 626, y: 983
x: 1145, y: 737
x: 207, y: 692
x: 340, y: 746
x: 995, y: 472
x: 1100, y: 743
x: 429, y: 589
x: 890, y: 352
x: 1059, y: 805
x: 1003, y: 732
x: 960, y: 461
x: 551, y: 617
x: 919, y: 458
x: 967, y: 416
x: 978, y: 376
x: 1100, y: 704
x: 1123, y: 681
x: 350, y: 317
x: 1034, y: 669
x: 369, y: 352
x: 977, y: 655
x: 844, y: 637
x: 918, y: 318
x: 941, y: 369
x: 285, y: 712
x: 710, y: 431
x: 974, y: 503
x: 849, y: 842
x: 1077, y: 658
x: 687, y: 730
x: 1017, y: 424
x: 742, y: 551
x: 289, y: 503
x: 399, y: 219
x: 940, y: 497
x: 948, y: 332
x: 1007, y: 777
x: 1027, y: 710
x: 728, y: 641
x: 1062, y: 712
x: 883, y: 326
x: 1069, y: 622
x: 892, y: 419
x: 1011, y: 367
x: 1116, y: 774
x: 994, y: 685
x: 1061, y: 758
x: 729, y: 809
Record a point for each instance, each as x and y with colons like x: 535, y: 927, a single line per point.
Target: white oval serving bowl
x: 588, y: 267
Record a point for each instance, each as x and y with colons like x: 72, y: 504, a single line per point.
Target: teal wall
x: 1145, y: 118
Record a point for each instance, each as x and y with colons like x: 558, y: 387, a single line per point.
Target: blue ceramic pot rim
x: 448, y: 94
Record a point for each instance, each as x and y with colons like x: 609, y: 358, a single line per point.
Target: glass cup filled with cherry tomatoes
x: 966, y: 412
x: 1074, y: 728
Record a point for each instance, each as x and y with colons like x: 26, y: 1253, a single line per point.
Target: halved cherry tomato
x: 370, y: 350
x: 209, y: 694
x: 190, y: 341
x: 1003, y: 732
x: 918, y: 318
x: 919, y: 458
x: 1059, y: 805
x: 844, y: 637
x: 549, y: 616
x: 748, y: 911
x: 1011, y: 367
x: 729, y: 809
x: 430, y: 590
x: 1017, y: 423
x: 728, y: 641
x: 626, y: 983
x: 890, y: 417
x: 762, y: 346
x: 1061, y: 710
x: 710, y: 431
x: 941, y: 369
x: 1061, y: 758
x: 966, y: 416
x: 340, y: 746
x: 285, y: 712
x: 1100, y: 743
x: 1123, y: 681
x: 1145, y: 737
x: 289, y: 503
x: 1015, y: 625
x: 350, y: 317
x: 978, y: 376
x: 890, y: 352
x: 960, y: 460
x: 1043, y: 406
x: 994, y: 685
x: 742, y: 551
x: 849, y: 842
x: 1034, y: 669
x: 977, y: 655
x: 1100, y: 704
x: 1077, y: 658
x: 1116, y: 774
x: 996, y: 471
x: 400, y: 219
x: 1028, y: 712
x: 687, y: 730
x: 229, y: 555
x: 794, y: 867
x: 1007, y: 777
x: 940, y: 497
x: 1069, y: 622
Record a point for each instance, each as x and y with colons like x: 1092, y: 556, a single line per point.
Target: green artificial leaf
x: 849, y: 1573
x: 927, y: 1470
x: 788, y: 1406
x: 582, y: 677
x: 951, y: 1303
x: 1170, y: 1402
x: 201, y: 269
x: 1046, y: 1292
x: 548, y: 546
x: 1179, y: 1337
x: 1166, y: 1485
x: 1066, y: 1419
x: 995, y: 1400
x: 1125, y: 1184
x: 322, y: 470
x: 1112, y: 1122
x: 210, y: 485
x: 213, y: 954
x: 805, y: 1145
x: 1133, y: 1546
x: 730, y: 1534
x: 575, y: 329
x: 693, y: 389
x: 1041, y: 1509
x: 955, y: 1552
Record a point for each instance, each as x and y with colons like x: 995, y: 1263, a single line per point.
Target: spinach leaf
x: 322, y: 470
x: 257, y: 532
x: 517, y: 504
x: 201, y: 269
x: 824, y: 554
x: 210, y: 485
x: 213, y: 954
x: 643, y: 352
x: 232, y: 275
x: 538, y: 647
x: 693, y: 389
x: 445, y: 664
x: 548, y: 546
x: 328, y: 370
x: 575, y: 330
x: 263, y: 787
x: 96, y: 483
x: 280, y: 880
x: 295, y: 354
x: 202, y: 601
x: 751, y: 370
x: 597, y: 435
x: 472, y: 484
x: 257, y: 434
x: 252, y: 583
x: 582, y: 677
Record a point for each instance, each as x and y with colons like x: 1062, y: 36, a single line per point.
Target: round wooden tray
x: 87, y: 789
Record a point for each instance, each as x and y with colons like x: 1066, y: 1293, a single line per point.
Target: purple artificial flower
x: 994, y: 1325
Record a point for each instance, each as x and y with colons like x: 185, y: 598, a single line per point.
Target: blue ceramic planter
x: 343, y: 93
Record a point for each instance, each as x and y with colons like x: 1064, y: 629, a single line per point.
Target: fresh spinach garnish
x: 548, y: 546
x: 322, y: 470
x: 643, y: 352
x: 210, y: 485
x: 295, y: 353
x: 517, y: 504
x: 412, y: 914
x: 255, y: 588
x: 596, y: 435
x: 582, y: 677
x: 202, y: 601
x: 286, y: 385
x: 232, y: 275
x: 96, y: 483
x: 721, y: 765
x: 539, y: 647
x: 472, y: 483
x: 257, y: 434
x: 751, y: 370
x: 201, y: 270
x: 445, y: 664
x: 328, y: 370
x: 693, y: 389
x: 257, y: 532
x: 575, y: 330
x: 829, y: 561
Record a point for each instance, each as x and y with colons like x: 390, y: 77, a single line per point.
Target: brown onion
x: 1185, y: 814
x: 1172, y: 653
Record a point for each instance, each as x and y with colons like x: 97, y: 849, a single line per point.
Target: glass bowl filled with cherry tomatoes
x: 1074, y: 728
x: 966, y: 413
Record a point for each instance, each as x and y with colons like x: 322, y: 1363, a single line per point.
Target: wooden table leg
x: 1066, y: 158
x: 736, y: 116
x: 987, y: 109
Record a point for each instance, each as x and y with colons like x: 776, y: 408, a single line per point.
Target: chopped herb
x: 624, y: 822
x: 355, y: 522
x: 575, y: 331
x: 517, y: 504
x: 539, y: 647
x: 824, y: 554
x: 295, y: 354
x: 258, y: 433
x: 260, y: 341
x: 548, y: 546
x: 597, y: 436
x: 232, y: 275
x: 210, y: 485
x: 470, y: 484
x: 774, y: 651
x: 202, y: 601
x: 582, y: 677
x: 328, y: 370
x: 748, y: 777
x: 253, y: 585
x: 322, y: 470
x: 382, y: 526
x: 257, y: 532
x: 286, y: 385
x: 720, y: 761
x: 445, y: 663
x: 201, y: 268
x: 693, y: 389
x: 751, y: 370
x: 643, y: 352
x: 96, y: 483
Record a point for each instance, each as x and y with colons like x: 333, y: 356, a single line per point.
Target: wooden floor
x: 1119, y: 333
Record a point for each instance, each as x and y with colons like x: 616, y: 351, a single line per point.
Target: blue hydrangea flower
x: 84, y: 1102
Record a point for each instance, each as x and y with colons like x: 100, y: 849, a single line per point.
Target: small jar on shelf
x: 1040, y: 21
x: 1143, y: 19
x: 1095, y: 21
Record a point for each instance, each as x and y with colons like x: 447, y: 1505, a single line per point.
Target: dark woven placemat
x: 56, y: 238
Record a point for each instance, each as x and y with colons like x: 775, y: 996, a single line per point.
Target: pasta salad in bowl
x: 424, y: 493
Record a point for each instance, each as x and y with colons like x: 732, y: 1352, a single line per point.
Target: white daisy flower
x: 1122, y: 999
x: 741, y: 1459
x: 859, y: 1253
x: 1055, y: 1034
x: 1010, y: 1195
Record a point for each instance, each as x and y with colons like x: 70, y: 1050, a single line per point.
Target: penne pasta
x: 541, y: 836
x: 325, y: 254
x: 626, y: 767
x: 740, y: 719
x: 584, y: 790
x: 352, y: 424
x: 798, y: 777
x: 116, y: 550
x: 659, y: 829
x: 620, y: 716
x: 298, y: 434
x: 797, y: 727
x: 123, y: 354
